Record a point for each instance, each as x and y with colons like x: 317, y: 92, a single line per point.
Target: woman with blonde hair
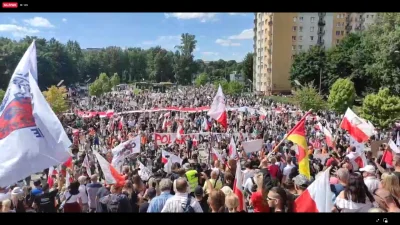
x: 232, y: 203
x: 390, y: 182
x: 6, y: 206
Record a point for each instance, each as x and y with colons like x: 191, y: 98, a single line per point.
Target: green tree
x: 95, y: 88
x: 183, y: 59
x: 382, y: 109
x: 105, y: 83
x: 341, y: 95
x: 247, y: 66
x: 2, y: 93
x: 235, y: 88
x: 202, y: 79
x: 307, y: 66
x: 307, y: 98
x: 115, y: 80
x: 56, y: 97
x: 224, y: 85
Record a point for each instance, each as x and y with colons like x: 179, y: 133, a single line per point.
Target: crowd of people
x: 200, y: 182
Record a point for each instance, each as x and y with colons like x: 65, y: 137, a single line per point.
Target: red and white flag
x: 394, y: 147
x: 232, y: 150
x: 86, y: 164
x: 238, y: 189
x: 171, y: 156
x: 195, y: 142
x: 179, y: 132
x: 216, y: 156
x: 111, y: 175
x: 218, y: 109
x: 121, y: 123
x: 317, y: 197
x: 50, y: 180
x: 328, y: 136
x: 206, y: 125
x: 358, y: 157
x: 360, y: 129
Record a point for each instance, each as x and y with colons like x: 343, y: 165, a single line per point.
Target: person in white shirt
x: 247, y: 173
x: 370, y: 179
x: 83, y: 194
x: 288, y: 168
x: 177, y: 203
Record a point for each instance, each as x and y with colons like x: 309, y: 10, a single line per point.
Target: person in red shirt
x: 258, y: 197
x: 333, y: 157
x: 274, y: 170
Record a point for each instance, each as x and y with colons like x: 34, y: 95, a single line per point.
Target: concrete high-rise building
x: 279, y: 36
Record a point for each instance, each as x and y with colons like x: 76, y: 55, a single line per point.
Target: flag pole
x: 290, y: 132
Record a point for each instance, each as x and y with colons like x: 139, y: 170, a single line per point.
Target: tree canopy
x: 2, y: 93
x: 71, y: 63
x: 371, y: 59
x: 56, y: 97
x: 341, y: 95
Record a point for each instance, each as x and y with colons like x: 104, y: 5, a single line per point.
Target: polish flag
x: 328, y: 136
x: 232, y: 150
x: 171, y: 156
x: 237, y: 187
x: 68, y: 163
x: 217, y: 110
x: 86, y: 164
x: 121, y: 123
x: 111, y: 175
x: 206, y: 125
x: 388, y: 157
x: 68, y: 179
x: 179, y: 132
x: 358, y: 157
x: 357, y: 127
x: 216, y: 156
x: 50, y: 180
x: 319, y: 126
x: 317, y: 198
x: 394, y: 147
x: 110, y: 113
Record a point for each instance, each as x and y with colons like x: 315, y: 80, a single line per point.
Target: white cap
x: 368, y: 169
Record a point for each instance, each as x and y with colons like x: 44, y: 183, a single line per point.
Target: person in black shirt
x: 45, y: 202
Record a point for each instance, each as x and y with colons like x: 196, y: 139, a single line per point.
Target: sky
x: 227, y: 36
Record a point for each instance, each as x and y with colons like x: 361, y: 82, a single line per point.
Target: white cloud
x: 203, y: 17
x: 197, y: 49
x: 17, y: 31
x: 246, y: 34
x: 14, y: 21
x: 163, y: 40
x: 64, y: 20
x: 39, y: 22
x: 210, y: 53
x: 237, y: 14
x: 224, y: 42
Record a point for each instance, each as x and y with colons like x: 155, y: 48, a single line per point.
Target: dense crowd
x: 199, y: 182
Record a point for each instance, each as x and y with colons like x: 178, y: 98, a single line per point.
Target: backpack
x: 113, y: 204
x: 188, y: 208
x: 267, y: 180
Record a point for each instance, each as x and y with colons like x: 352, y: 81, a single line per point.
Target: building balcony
x: 269, y: 43
x: 270, y: 23
x: 321, y: 32
x: 320, y: 42
x: 349, y: 28
x: 322, y: 14
x: 321, y: 22
x: 348, y: 19
x: 269, y: 33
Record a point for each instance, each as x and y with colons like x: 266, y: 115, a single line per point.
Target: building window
x: 294, y: 28
x: 342, y: 16
x: 360, y: 16
x: 312, y: 19
x: 293, y: 38
x: 367, y: 16
x: 293, y: 47
x: 301, y: 18
x: 337, y: 41
x: 300, y: 38
x: 301, y: 29
x: 300, y: 47
x: 312, y: 38
x: 342, y: 24
x: 342, y: 32
x: 337, y: 33
x: 295, y: 19
x: 338, y: 16
x: 338, y: 24
x: 311, y: 29
x: 372, y: 16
